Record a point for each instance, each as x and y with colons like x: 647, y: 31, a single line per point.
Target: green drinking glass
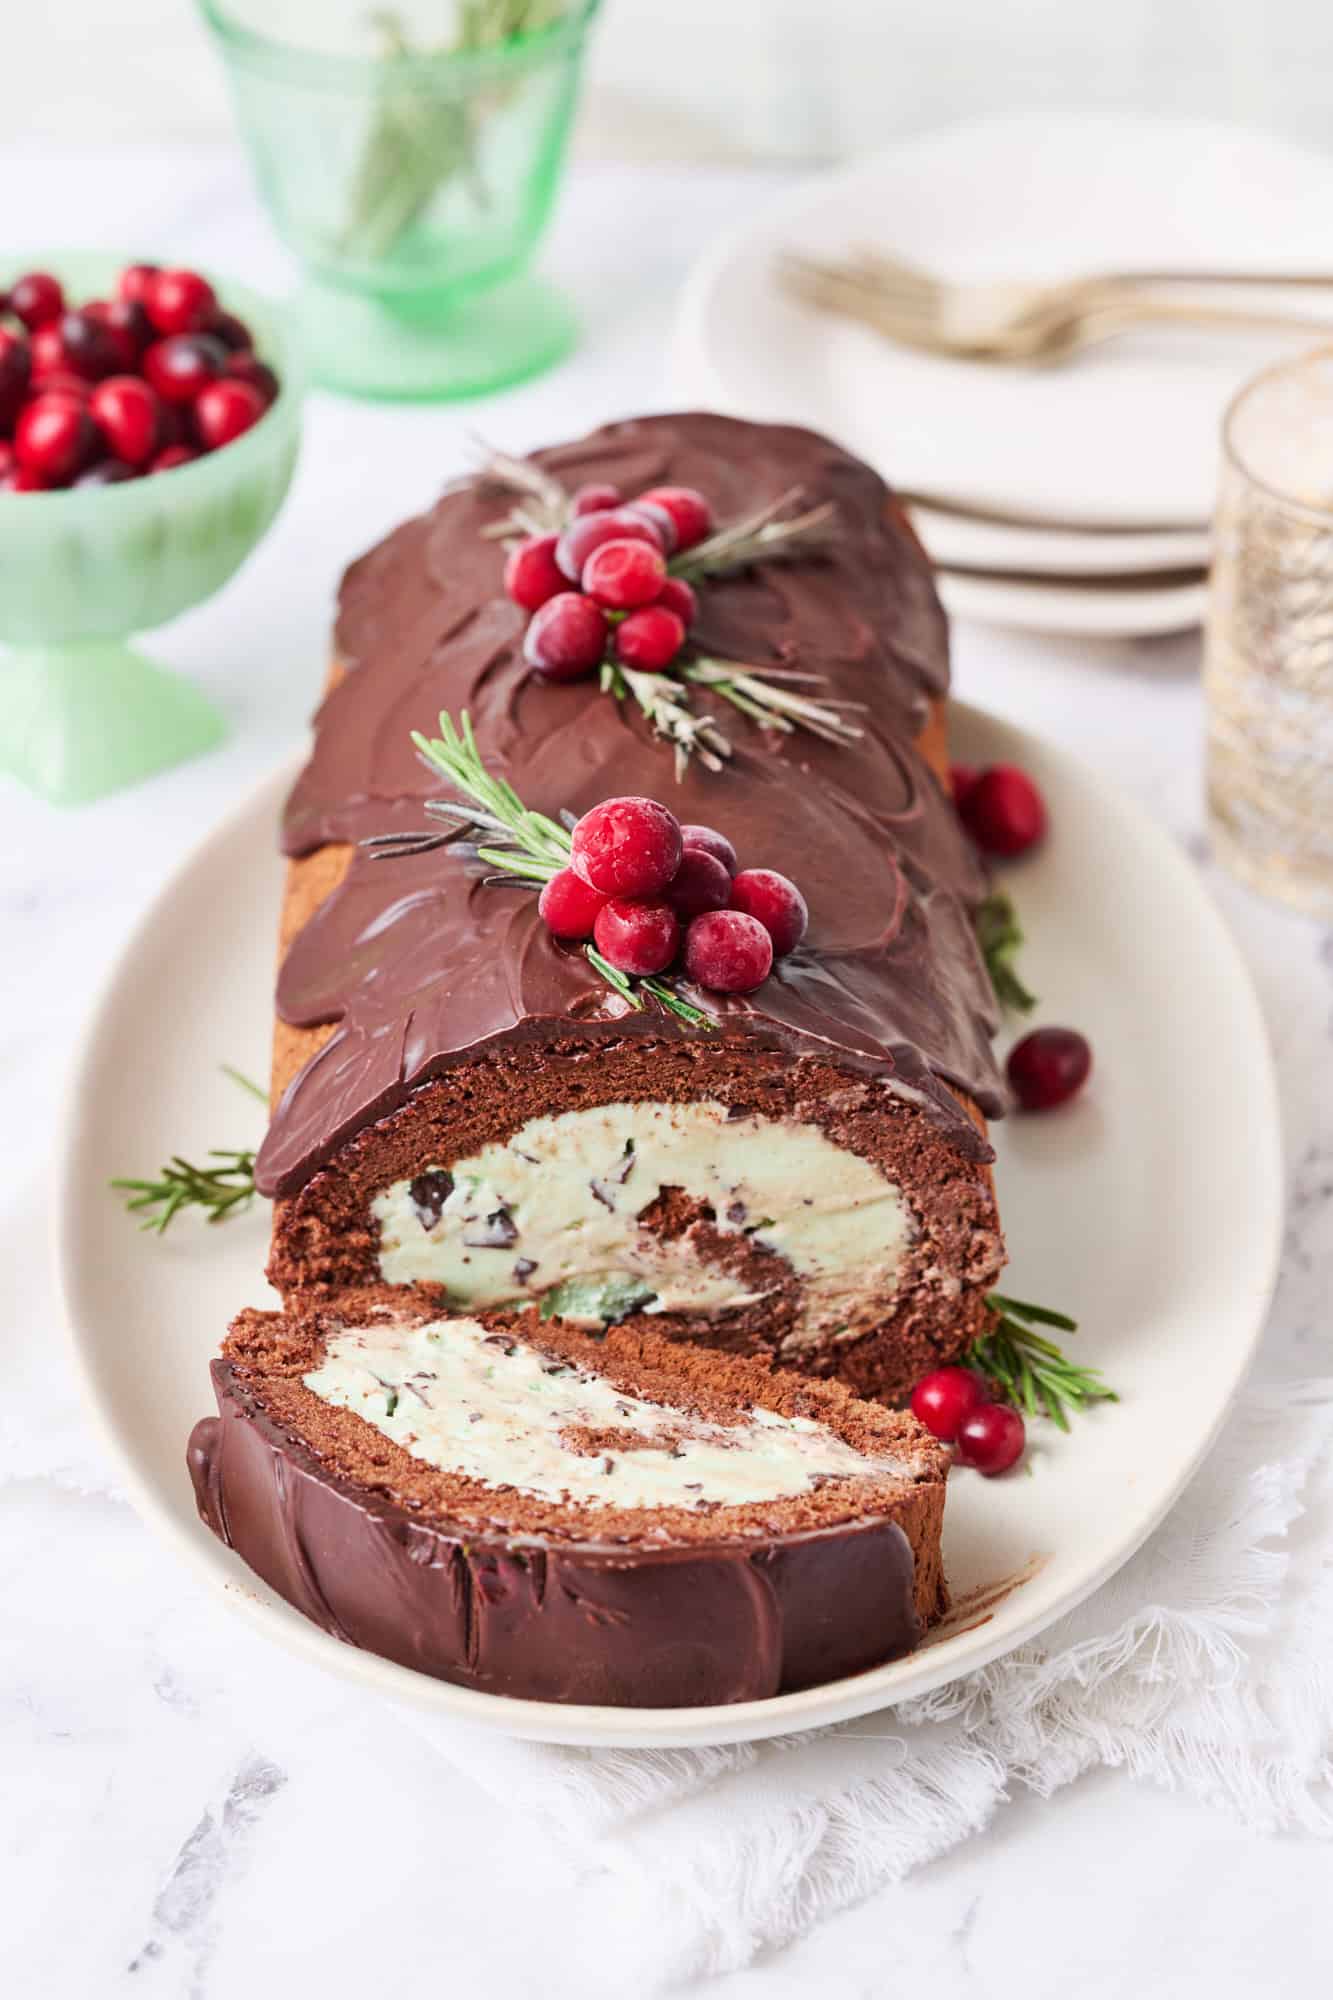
x: 82, y: 712
x: 410, y: 158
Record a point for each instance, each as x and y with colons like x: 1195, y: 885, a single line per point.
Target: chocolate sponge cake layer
x: 530, y: 1510
x: 430, y: 1029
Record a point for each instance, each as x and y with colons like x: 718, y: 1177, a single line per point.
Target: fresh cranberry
x: 249, y: 368
x: 127, y: 326
x: 234, y: 334
x: 15, y: 364
x: 126, y: 412
x: 649, y: 639
x: 774, y: 902
x: 1003, y: 811
x: 7, y: 460
x: 224, y: 411
x: 179, y: 301
x: 568, y: 905
x: 47, y: 352
x: 91, y: 350
x: 183, y: 365
x: 991, y: 1439
x: 701, y: 883
x: 20, y: 480
x: 107, y: 472
x: 37, y: 299
x: 530, y: 572
x: 728, y: 951
x: 590, y: 531
x: 943, y: 1399
x: 622, y: 574
x: 61, y: 383
x: 690, y: 513
x: 962, y: 778
x: 627, y: 847
x: 54, y: 438
x: 637, y: 937
x: 135, y: 282
x: 566, y: 638
x: 174, y: 455
x: 678, y: 596
x: 594, y: 499
x: 712, y: 842
x: 656, y: 518
x: 1048, y: 1067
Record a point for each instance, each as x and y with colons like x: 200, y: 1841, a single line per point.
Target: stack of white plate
x: 1069, y: 499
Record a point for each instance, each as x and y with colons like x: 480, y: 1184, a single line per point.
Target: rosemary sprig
x: 541, y: 504
x: 1030, y: 1371
x: 523, y: 846
x: 1000, y: 936
x: 772, y: 706
x: 769, y: 533
x: 667, y: 706
x: 222, y: 1190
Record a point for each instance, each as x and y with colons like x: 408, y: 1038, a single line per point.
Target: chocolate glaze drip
x: 659, y: 1626
x: 420, y: 963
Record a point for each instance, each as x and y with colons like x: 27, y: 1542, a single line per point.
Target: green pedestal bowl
x: 409, y: 158
x: 82, y: 712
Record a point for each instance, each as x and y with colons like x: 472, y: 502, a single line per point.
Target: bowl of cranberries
x: 149, y: 424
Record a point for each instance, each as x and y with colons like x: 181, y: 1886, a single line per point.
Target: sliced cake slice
x: 533, y: 1510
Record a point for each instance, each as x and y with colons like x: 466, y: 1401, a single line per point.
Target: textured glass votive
x: 1268, y: 664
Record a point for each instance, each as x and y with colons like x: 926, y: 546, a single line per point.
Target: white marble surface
x: 186, y: 1812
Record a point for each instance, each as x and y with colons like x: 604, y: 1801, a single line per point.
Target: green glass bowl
x: 81, y: 712
x: 410, y: 163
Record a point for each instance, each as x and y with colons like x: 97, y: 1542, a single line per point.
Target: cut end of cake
x: 539, y: 1511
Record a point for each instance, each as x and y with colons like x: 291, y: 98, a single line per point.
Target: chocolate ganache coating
x: 420, y: 962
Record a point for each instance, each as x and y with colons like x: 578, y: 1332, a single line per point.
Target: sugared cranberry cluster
x: 117, y: 388
x: 955, y: 1406
x: 652, y: 893
x: 602, y: 586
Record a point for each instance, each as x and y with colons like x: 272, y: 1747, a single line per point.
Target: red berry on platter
x: 182, y: 366
x: 91, y: 349
x: 234, y: 334
x: 531, y: 575
x: 691, y: 515
x: 54, y: 438
x: 991, y: 1439
x: 678, y: 596
x: 636, y: 937
x: 37, y: 299
x: 656, y: 518
x: 943, y: 1399
x: 595, y: 499
x: 962, y: 777
x: 107, y: 472
x: 648, y: 639
x: 224, y: 411
x: 624, y: 574
x: 135, y: 283
x: 702, y: 883
x: 1048, y: 1067
x: 247, y: 367
x: 1004, y: 811
x: 728, y: 952
x: 590, y: 531
x: 179, y: 301
x: 627, y: 847
x: 566, y: 638
x: 126, y: 412
x: 775, y: 902
x: 568, y: 905
x: 174, y: 455
x: 712, y: 842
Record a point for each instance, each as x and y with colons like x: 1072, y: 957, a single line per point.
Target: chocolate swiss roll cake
x: 530, y: 1510
x: 462, y: 1104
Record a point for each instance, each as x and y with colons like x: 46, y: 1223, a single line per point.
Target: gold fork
x: 1008, y: 322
